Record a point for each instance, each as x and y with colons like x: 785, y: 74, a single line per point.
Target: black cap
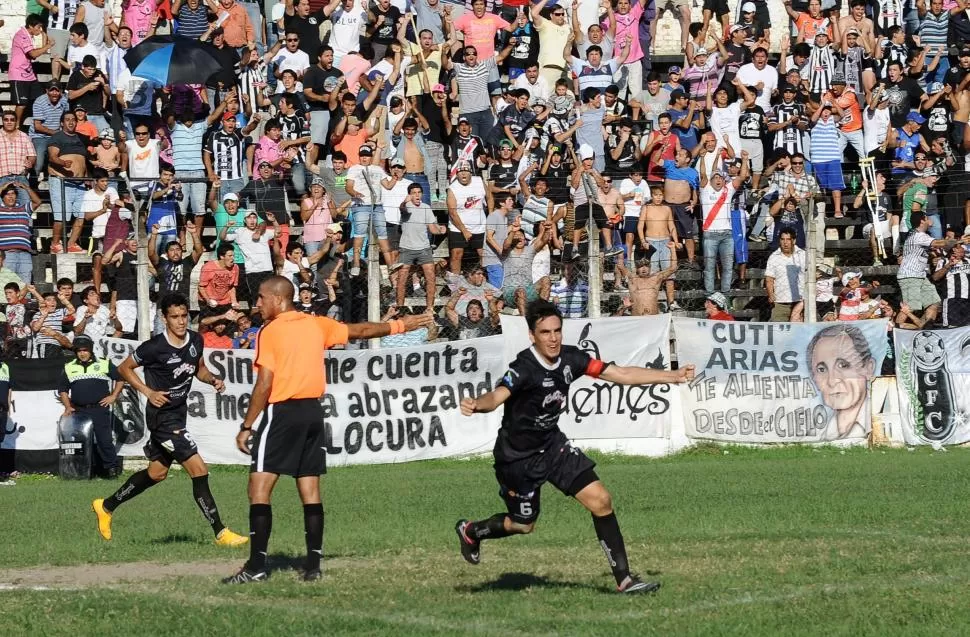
x: 788, y: 88
x: 55, y: 84
x: 83, y: 341
x: 366, y: 150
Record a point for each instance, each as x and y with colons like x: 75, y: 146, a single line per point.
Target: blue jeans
x: 939, y: 72
x: 936, y: 230
x: 193, y: 193
x: 298, y: 178
x: 99, y: 121
x: 20, y: 262
x: 40, y: 147
x: 233, y: 185
x: 718, y: 245
x: 421, y: 179
x: 481, y: 122
x: 23, y: 199
x: 70, y: 206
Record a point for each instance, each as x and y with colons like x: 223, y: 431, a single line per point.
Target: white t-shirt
x: 375, y: 174
x: 143, y: 162
x: 256, y: 254
x: 297, y: 61
x: 392, y: 200
x: 99, y: 325
x: 788, y: 273
x: 539, y: 90
x: 93, y: 202
x: 631, y: 207
x: 470, y: 201
x: 708, y: 197
x: 750, y: 75
x: 346, y: 31
x: 875, y: 125
x: 75, y: 54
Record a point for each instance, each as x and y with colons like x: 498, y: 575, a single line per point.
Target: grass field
x: 746, y: 542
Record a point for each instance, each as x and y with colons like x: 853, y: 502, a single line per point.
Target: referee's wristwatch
x: 243, y: 427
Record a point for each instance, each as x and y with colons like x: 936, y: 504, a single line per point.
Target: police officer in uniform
x: 88, y: 387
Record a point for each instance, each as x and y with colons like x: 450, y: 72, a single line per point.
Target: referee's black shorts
x: 290, y: 440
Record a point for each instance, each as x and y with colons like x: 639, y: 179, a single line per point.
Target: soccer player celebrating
x: 290, y: 380
x: 531, y: 449
x: 171, y: 360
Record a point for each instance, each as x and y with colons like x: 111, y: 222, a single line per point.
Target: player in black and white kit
x: 531, y: 449
x: 171, y: 360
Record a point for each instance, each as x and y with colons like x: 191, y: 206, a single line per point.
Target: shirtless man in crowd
x: 658, y: 233
x: 645, y: 287
x: 681, y: 185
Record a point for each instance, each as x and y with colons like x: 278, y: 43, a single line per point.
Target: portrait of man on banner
x: 841, y: 365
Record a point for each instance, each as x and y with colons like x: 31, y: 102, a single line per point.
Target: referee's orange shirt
x: 292, y: 346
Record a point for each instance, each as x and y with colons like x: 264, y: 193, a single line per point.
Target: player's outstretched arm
x: 127, y: 371
x: 486, y: 402
x: 645, y: 376
x: 409, y: 323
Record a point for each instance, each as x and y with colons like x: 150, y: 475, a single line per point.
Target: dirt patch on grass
x: 92, y: 575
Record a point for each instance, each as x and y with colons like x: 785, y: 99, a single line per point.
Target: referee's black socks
x: 207, y: 504
x: 313, y: 529
x: 608, y: 532
x: 260, y: 526
x: 138, y: 482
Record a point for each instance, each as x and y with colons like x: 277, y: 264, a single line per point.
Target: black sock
x: 206, y: 503
x: 260, y: 526
x: 313, y: 529
x: 490, y: 529
x: 611, y: 540
x: 134, y: 485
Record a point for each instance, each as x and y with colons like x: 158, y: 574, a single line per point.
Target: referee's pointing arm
x: 291, y: 379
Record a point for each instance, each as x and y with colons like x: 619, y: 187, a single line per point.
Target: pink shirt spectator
x: 629, y: 25
x: 266, y: 150
x: 20, y: 67
x: 137, y: 15
x: 480, y: 32
x: 352, y: 66
x: 315, y: 228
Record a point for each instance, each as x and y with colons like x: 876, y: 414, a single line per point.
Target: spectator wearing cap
x: 735, y: 51
x: 501, y: 175
x: 761, y: 75
x: 364, y: 184
x: 255, y: 239
x: 908, y: 140
x: 46, y: 117
x: 467, y: 214
x: 392, y: 198
x: 704, y: 73
x: 585, y: 186
x: 409, y: 137
x: 23, y: 80
x: 224, y: 156
x: 955, y: 75
x: 848, y: 111
x: 715, y: 197
x: 17, y: 155
x: 716, y: 307
x: 854, y: 62
x: 16, y: 235
x: 673, y: 83
x: 317, y: 212
x: 88, y: 87
x: 107, y: 154
x: 266, y: 194
x: 852, y: 297
x: 687, y: 117
x: 755, y: 19
x: 87, y: 388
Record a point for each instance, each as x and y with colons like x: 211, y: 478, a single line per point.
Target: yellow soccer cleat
x: 104, y: 518
x: 228, y: 538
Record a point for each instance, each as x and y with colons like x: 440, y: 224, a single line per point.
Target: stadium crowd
x: 479, y: 151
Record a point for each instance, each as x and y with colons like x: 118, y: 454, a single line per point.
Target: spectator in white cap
x: 715, y: 307
x: 106, y: 153
x: 584, y: 188
x: 466, y: 215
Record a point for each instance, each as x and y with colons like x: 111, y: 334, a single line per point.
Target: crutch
x: 868, y: 166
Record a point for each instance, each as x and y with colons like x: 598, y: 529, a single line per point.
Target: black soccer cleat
x: 470, y: 549
x: 311, y: 575
x: 246, y: 576
x: 635, y: 585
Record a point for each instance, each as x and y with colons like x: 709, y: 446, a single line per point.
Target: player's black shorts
x: 561, y: 464
x: 290, y: 440
x: 169, y: 441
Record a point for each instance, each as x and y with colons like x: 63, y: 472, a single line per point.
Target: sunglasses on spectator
x: 292, y: 39
x: 559, y: 13
x: 141, y: 132
x: 798, y: 163
x: 607, y: 181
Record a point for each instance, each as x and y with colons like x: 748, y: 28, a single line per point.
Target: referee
x: 290, y: 380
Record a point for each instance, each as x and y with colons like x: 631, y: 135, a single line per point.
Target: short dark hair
x: 12, y: 286
x: 502, y: 197
x: 415, y: 186
x: 86, y: 292
x: 338, y: 155
x: 33, y: 20
x: 79, y: 28
x: 538, y: 310
x: 166, y: 168
x: 171, y: 243
x: 64, y: 281
x: 174, y: 299
x: 409, y: 122
x: 99, y: 173
x: 790, y: 232
x: 293, y: 245
x: 223, y: 249
x: 323, y: 48
x: 916, y: 218
x: 594, y: 49
x: 273, y: 123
